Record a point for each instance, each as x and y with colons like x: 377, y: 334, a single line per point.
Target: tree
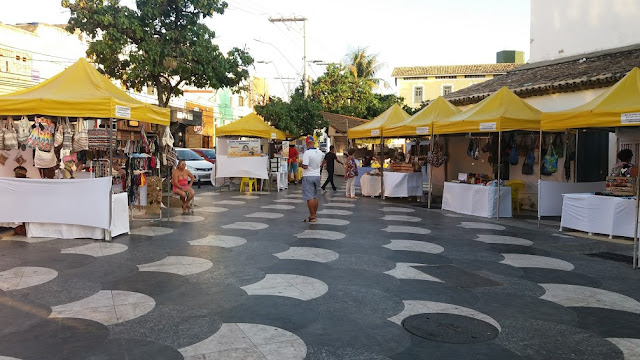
x: 340, y: 92
x: 365, y: 66
x: 300, y: 116
x: 163, y: 44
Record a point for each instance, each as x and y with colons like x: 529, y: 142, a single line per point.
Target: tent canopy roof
x: 376, y: 127
x: 502, y: 111
x: 81, y: 91
x: 251, y: 125
x: 606, y: 110
x: 421, y: 123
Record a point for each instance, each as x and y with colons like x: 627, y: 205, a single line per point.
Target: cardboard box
x: 620, y: 185
x: 402, y: 167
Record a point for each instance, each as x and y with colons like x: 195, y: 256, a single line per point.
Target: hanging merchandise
x: 59, y: 135
x: 67, y: 139
x: 172, y: 157
x: 167, y: 139
x: 145, y: 141
x: 41, y: 136
x: 10, y: 136
x: 80, y: 138
x: 549, y: 162
x: 45, y: 159
x: 513, y: 154
x: 558, y: 145
x: 436, y: 158
x: 470, y: 148
x: 2, y: 132
x: 476, y: 149
x: 24, y: 129
x: 3, y: 158
x: 19, y: 159
x: 529, y: 163
x: 98, y: 139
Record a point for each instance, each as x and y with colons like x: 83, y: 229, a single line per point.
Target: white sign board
x: 273, y: 135
x: 375, y: 132
x: 630, y: 118
x: 422, y: 130
x: 487, y: 126
x: 123, y: 112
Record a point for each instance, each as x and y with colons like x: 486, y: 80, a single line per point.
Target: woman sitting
x: 625, y: 168
x: 181, y: 185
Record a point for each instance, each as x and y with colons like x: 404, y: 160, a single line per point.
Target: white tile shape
x: 241, y: 341
x: 294, y: 195
x: 343, y: 199
x: 480, y: 225
x: 563, y: 236
x: 230, y: 202
x: 414, y: 307
x: 246, y: 226
x: 308, y: 253
x: 400, y: 218
x: 294, y: 286
x: 630, y: 347
x: 292, y: 201
x: 296, y: 192
x: 261, y: 192
x: 414, y: 245
x: 499, y: 239
x: 25, y: 239
x: 334, y: 212
x: 151, y: 231
x: 320, y: 234
x: 187, y: 218
x: 453, y: 215
x: 25, y: 276
x: 8, y: 358
x: 97, y: 249
x: 536, y: 261
x: 397, y: 209
x: 265, y: 215
x: 208, y: 194
x: 213, y: 209
x: 406, y: 271
x: 181, y: 265
x: 278, y: 207
x: 331, y: 221
x: 339, y: 204
x: 249, y: 197
x: 583, y: 296
x: 107, y: 307
x: 407, y: 229
x: 224, y: 241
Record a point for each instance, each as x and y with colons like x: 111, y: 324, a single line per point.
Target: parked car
x: 207, y: 154
x: 196, y: 164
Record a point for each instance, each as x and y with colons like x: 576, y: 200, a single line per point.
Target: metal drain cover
x: 450, y: 328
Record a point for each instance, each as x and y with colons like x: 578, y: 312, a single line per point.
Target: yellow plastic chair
x: 299, y: 174
x: 250, y: 182
x: 516, y: 186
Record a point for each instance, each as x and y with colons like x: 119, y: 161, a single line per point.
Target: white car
x: 200, y: 168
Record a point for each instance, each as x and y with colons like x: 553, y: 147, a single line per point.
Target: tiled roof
x: 340, y: 122
x: 587, y: 71
x: 453, y: 70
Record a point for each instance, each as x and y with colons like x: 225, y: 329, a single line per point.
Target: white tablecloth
x: 395, y: 184
x: 249, y: 166
x: 598, y: 214
x: 476, y: 200
x: 119, y: 224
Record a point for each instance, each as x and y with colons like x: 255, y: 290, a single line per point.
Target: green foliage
x: 365, y: 66
x: 163, y: 44
x: 410, y: 110
x: 300, y: 116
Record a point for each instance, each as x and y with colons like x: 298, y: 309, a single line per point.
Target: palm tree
x: 365, y: 66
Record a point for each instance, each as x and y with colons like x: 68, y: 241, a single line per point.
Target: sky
x: 400, y: 32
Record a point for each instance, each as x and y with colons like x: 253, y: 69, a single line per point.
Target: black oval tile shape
x: 450, y: 328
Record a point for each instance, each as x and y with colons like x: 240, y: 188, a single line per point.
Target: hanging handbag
x: 41, y: 136
x: 59, y: 136
x: 67, y: 138
x: 167, y: 138
x: 24, y: 129
x: 45, y: 159
x: 2, y: 131
x: 549, y: 162
x: 172, y: 157
x: 10, y: 136
x: 528, y: 164
x: 80, y: 138
x: 98, y: 139
x: 436, y: 158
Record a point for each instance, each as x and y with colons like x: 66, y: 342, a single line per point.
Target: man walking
x: 329, y: 159
x: 311, y: 162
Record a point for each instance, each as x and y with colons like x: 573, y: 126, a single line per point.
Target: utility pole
x: 305, y: 85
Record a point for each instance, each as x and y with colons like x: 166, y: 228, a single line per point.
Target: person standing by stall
x: 293, y: 162
x: 311, y: 162
x: 329, y: 159
x: 350, y: 174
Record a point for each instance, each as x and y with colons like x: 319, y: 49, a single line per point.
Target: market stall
x: 617, y: 107
x: 244, y: 157
x: 501, y: 112
x: 396, y: 184
x: 68, y: 98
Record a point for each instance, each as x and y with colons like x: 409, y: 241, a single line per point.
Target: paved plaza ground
x: 245, y: 278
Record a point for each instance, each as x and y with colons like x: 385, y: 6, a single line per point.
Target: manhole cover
x: 450, y: 328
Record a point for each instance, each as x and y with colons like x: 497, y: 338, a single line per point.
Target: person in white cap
x: 311, y: 162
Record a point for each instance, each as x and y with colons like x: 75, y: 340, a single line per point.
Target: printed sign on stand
x: 630, y: 118
x: 422, y: 130
x: 491, y: 126
x: 375, y: 132
x: 123, y: 112
x: 238, y: 148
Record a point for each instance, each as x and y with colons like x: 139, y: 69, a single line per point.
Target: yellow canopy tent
x: 81, y: 91
x: 617, y: 106
x: 375, y: 128
x: 502, y: 111
x: 421, y: 123
x: 251, y: 125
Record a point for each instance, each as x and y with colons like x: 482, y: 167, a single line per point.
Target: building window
x: 447, y: 89
x: 241, y: 101
x: 446, y: 77
x: 474, y: 76
x: 418, y: 94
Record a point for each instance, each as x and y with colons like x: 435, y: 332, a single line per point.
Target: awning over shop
x: 502, y: 111
x: 421, y: 123
x: 251, y: 125
x: 617, y: 106
x: 376, y: 127
x: 81, y: 91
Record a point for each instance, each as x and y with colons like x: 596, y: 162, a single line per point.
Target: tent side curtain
x: 251, y: 125
x: 394, y: 115
x: 81, y: 91
x: 617, y: 106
